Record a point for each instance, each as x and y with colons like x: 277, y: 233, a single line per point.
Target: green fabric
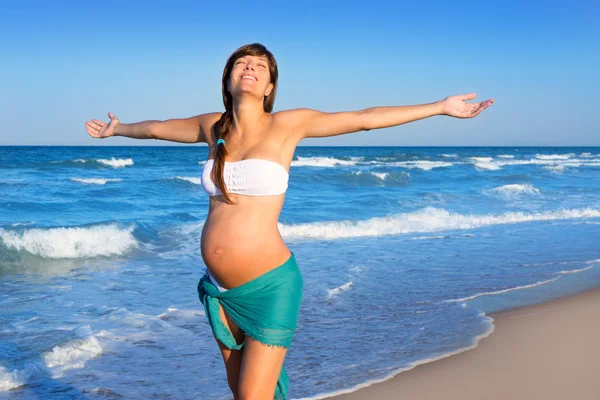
x: 265, y: 308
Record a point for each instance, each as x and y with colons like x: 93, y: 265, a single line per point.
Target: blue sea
x: 405, y: 252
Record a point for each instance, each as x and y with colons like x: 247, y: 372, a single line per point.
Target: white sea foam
x: 321, y: 162
x: 484, y: 163
x: 116, y: 162
x: 191, y: 179
x: 554, y: 156
x: 515, y: 190
x: 574, y: 271
x: 450, y: 155
x: 585, y: 155
x: 481, y: 159
x: 72, y: 242
x: 421, y: 164
x: 381, y: 175
x: 96, y: 181
x: 429, y: 219
x: 435, y: 237
x: 338, y: 290
x: 73, y: 354
x: 70, y: 355
x: 506, y: 156
x: 19, y: 377
x: 499, y: 291
x: 555, y: 168
x: 551, y: 162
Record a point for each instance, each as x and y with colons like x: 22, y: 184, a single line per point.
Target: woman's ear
x: 270, y: 87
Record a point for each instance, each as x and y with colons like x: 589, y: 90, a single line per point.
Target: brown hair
x: 221, y: 127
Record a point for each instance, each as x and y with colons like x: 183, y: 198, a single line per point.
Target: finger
x: 476, y: 107
x: 101, y: 123
x: 468, y: 96
x: 479, y: 110
x: 475, y: 110
x: 110, y: 115
x: 91, y: 133
x: 91, y: 127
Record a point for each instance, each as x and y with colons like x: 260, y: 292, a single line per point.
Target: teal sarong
x: 265, y: 308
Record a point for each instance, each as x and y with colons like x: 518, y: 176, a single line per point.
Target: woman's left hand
x: 455, y: 106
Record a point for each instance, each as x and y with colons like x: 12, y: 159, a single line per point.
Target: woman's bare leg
x: 261, y: 366
x: 231, y: 358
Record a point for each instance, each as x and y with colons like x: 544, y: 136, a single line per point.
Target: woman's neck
x: 247, y: 118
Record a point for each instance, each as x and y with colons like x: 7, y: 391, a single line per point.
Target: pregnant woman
x: 252, y: 288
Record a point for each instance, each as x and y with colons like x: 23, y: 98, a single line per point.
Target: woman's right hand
x: 99, y: 129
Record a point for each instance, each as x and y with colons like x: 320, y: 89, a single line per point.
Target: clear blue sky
x: 63, y: 63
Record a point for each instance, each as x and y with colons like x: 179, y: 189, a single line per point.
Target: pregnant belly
x: 236, y: 253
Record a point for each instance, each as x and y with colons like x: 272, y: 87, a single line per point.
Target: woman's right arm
x: 184, y: 130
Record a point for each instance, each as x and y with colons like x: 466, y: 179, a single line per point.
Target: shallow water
x: 403, y: 251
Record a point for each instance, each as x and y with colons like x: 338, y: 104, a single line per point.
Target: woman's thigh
x: 261, y: 366
x: 231, y: 358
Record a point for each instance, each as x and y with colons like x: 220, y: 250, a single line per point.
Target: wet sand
x: 544, y: 351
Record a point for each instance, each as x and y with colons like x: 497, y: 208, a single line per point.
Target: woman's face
x: 250, y: 74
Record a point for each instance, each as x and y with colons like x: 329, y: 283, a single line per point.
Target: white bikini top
x: 252, y: 177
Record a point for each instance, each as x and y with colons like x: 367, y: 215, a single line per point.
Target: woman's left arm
x: 313, y: 123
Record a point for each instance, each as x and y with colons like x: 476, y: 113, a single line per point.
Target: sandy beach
x: 544, y: 351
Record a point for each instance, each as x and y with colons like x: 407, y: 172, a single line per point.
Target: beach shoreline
x: 544, y: 351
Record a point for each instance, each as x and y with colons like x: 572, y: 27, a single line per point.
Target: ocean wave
x: 461, y: 300
x: 484, y: 163
x: 449, y: 155
x: 71, y: 242
x: 421, y: 164
x: 574, y: 271
x: 95, y: 181
x: 73, y: 354
x: 321, y: 162
x: 505, y: 156
x: 397, y: 177
x: 439, y: 237
x: 554, y: 156
x: 429, y: 219
x: 338, y: 290
x: 515, y: 190
x: 70, y: 355
x: 19, y: 377
x: 555, y: 168
x: 112, y: 162
x: 191, y: 179
x: 553, y: 164
x: 116, y: 162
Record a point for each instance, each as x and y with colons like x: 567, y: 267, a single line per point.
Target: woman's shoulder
x: 207, y: 124
x: 292, y: 117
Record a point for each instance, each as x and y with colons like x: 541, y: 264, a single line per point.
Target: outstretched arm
x: 185, y: 130
x: 313, y: 123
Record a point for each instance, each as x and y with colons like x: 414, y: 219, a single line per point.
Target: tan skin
x: 241, y: 241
